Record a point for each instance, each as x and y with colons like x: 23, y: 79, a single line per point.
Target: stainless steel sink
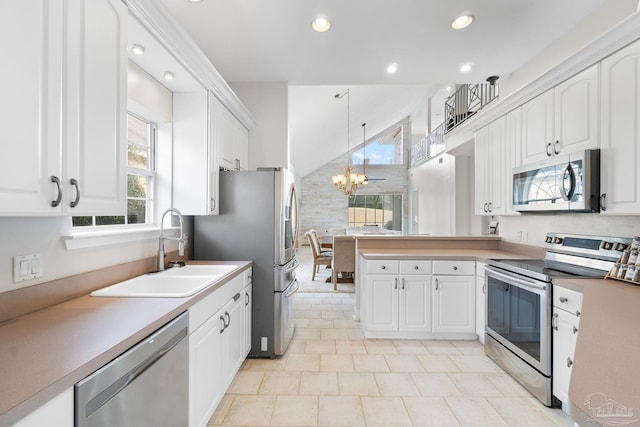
x: 171, y: 283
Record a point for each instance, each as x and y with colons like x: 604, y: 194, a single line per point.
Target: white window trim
x: 97, y: 238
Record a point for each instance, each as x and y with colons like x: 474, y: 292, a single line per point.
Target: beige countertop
x: 46, y: 352
x: 605, y: 378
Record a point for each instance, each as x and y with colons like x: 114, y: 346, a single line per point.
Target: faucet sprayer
x: 162, y: 238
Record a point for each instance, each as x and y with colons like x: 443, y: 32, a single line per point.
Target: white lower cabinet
x: 56, y: 412
x: 480, y: 301
x: 454, y: 297
x: 217, y: 347
x: 419, y: 299
x: 565, y: 324
x: 398, y: 297
x: 248, y: 306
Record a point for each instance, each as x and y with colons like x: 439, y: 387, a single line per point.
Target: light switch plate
x: 27, y: 267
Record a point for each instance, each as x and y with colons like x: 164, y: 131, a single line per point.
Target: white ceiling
x: 261, y: 41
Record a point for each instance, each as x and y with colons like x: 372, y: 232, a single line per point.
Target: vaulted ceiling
x: 261, y: 41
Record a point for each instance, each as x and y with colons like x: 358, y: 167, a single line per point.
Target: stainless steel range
x: 519, y: 298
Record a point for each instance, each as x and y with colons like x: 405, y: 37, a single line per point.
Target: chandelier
x: 348, y: 181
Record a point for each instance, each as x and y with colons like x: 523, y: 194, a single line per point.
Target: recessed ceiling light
x: 138, y: 49
x: 448, y: 88
x: 465, y: 68
x: 169, y: 75
x: 195, y: 1
x: 392, y: 68
x: 321, y: 24
x: 462, y: 21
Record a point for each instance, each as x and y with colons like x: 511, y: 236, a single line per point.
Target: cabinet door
x: 30, y: 106
x: 57, y: 412
x: 576, y: 121
x: 383, y: 302
x: 454, y: 304
x: 482, y: 166
x: 537, y: 128
x: 206, y: 370
x: 248, y: 306
x: 497, y: 165
x: 620, y: 144
x: 514, y: 141
x: 226, y: 136
x: 415, y: 303
x: 565, y: 329
x: 233, y: 338
x: 95, y: 107
x: 242, y: 146
x: 480, y: 302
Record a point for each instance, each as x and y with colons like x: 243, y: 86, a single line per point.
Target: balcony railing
x: 466, y: 101
x: 429, y: 146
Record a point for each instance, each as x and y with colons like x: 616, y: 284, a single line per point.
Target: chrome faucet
x: 163, y: 238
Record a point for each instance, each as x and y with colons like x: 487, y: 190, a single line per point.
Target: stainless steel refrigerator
x: 257, y: 222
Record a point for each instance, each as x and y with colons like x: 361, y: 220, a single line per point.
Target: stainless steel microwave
x: 564, y: 183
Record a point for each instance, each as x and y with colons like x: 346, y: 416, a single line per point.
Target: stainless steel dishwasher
x: 148, y: 385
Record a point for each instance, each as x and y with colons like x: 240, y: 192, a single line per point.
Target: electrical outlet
x: 519, y: 235
x: 27, y: 267
x: 263, y: 343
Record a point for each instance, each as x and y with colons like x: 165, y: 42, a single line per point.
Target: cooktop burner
x: 544, y: 269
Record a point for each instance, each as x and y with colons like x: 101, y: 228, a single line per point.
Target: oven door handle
x: 516, y: 281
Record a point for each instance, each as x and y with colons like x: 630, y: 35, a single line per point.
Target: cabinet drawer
x: 567, y: 300
x: 415, y: 267
x: 454, y: 268
x: 383, y: 266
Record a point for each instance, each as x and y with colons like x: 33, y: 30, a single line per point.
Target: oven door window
x: 514, y: 314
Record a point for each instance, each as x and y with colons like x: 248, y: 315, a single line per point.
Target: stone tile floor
x: 332, y: 376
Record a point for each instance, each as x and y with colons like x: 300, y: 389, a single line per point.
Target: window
x: 141, y: 143
x: 383, y: 149
x: 384, y: 210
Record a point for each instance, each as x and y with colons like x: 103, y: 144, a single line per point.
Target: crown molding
x: 157, y: 19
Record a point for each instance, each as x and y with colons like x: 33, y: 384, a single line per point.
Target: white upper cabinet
x: 233, y: 142
x: 65, y: 108
x: 195, y: 165
x: 493, y: 169
x: 563, y: 119
x: 620, y: 145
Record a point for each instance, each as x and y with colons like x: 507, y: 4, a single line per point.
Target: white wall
x: 268, y: 102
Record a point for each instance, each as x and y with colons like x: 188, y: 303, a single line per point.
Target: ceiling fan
x: 364, y: 157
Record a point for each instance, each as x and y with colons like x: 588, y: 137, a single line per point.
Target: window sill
x: 92, y: 239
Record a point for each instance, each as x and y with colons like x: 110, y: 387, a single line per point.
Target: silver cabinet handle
x: 213, y: 204
x: 396, y: 283
x: 228, y: 316
x: 556, y: 147
x: 403, y: 283
x: 74, y: 182
x: 490, y: 206
x: 575, y: 330
x: 569, y: 362
x: 224, y: 324
x: 486, y: 207
x: 484, y: 285
x: 247, y: 298
x: 554, y: 322
x: 56, y: 202
x: 437, y: 284
x: 236, y: 297
x: 603, y: 207
x: 549, y: 152
x: 563, y: 299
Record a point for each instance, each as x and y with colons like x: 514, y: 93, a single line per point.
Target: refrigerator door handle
x: 293, y: 288
x: 293, y: 266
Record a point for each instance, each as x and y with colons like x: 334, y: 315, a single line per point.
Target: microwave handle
x: 568, y: 170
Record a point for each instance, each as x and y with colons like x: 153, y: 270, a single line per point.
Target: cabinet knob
x: 384, y: 267
x: 563, y: 299
x: 575, y: 330
x: 569, y: 362
x: 416, y: 268
x: 455, y: 267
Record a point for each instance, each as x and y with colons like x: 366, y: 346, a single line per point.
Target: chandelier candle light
x: 348, y: 181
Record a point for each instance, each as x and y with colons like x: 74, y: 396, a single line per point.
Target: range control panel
x: 602, y: 247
